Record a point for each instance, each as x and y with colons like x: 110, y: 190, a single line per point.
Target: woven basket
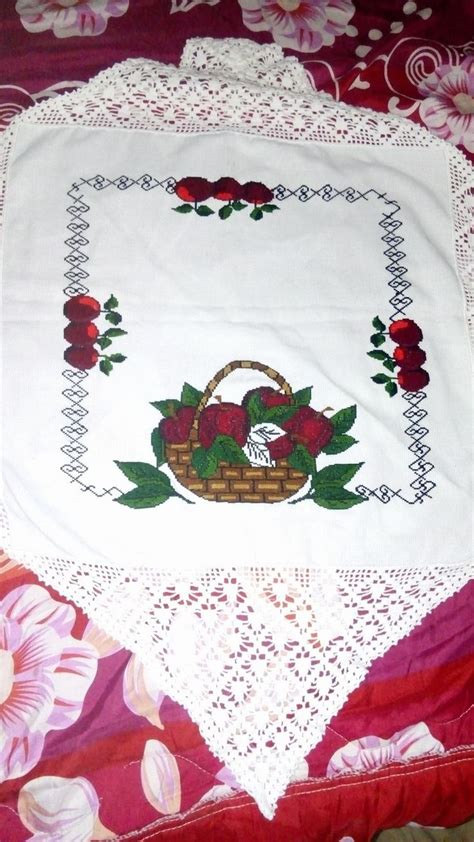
x: 235, y: 483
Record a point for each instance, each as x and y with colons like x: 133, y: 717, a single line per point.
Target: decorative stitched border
x: 77, y: 277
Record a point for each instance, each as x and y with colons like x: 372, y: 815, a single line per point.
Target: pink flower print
x: 69, y: 17
x: 304, y: 25
x: 372, y: 752
x: 187, y: 5
x: 13, y: 100
x: 9, y: 568
x: 141, y: 691
x: 61, y: 808
x: 448, y: 107
x: 160, y: 778
x: 44, y: 675
x: 102, y: 643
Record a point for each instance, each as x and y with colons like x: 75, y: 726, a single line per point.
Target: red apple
x: 81, y: 357
x: 227, y: 190
x: 405, y: 332
x: 193, y: 189
x: 223, y: 419
x: 310, y: 428
x: 81, y: 308
x: 176, y: 429
x: 413, y: 381
x: 409, y: 358
x: 269, y: 397
x: 281, y: 447
x: 256, y: 193
x: 81, y: 333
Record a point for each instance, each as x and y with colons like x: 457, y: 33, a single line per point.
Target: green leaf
x: 378, y: 355
x: 377, y: 339
x: 337, y: 498
x: 158, y: 446
x: 339, y: 444
x: 238, y: 206
x: 114, y: 318
x: 378, y: 325
x: 256, y: 214
x: 204, y: 210
x: 256, y: 410
x: 111, y: 303
x: 381, y: 378
x: 190, y: 396
x: 303, y: 396
x: 279, y: 414
x: 225, y: 212
x: 144, y: 496
x: 226, y: 449
x: 105, y: 366
x: 117, y: 358
x: 390, y: 364
x: 167, y: 408
x: 335, y: 475
x: 269, y: 208
x: 141, y: 472
x: 343, y: 420
x: 112, y: 332
x: 204, y: 462
x: 391, y: 388
x: 183, y: 208
x: 104, y: 342
x: 301, y: 460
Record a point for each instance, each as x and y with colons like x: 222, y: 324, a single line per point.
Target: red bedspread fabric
x: 409, y: 58
x: 90, y: 748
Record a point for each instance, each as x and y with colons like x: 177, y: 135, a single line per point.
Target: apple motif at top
x: 194, y: 189
x: 256, y: 193
x: 227, y: 190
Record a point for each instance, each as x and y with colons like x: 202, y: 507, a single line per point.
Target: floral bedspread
x: 90, y: 748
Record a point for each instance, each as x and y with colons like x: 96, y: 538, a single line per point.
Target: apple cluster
x: 83, y: 334
x: 407, y: 356
x: 305, y: 426
x: 206, y: 439
x: 302, y: 424
x: 194, y: 191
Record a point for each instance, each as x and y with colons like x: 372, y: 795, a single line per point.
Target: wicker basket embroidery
x: 203, y: 444
x: 235, y: 483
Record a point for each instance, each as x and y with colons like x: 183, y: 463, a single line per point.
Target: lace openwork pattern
x: 262, y: 659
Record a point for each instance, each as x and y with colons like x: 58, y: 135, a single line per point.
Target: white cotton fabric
x: 296, y: 291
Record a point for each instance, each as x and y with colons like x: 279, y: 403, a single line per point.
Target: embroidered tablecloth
x: 231, y: 318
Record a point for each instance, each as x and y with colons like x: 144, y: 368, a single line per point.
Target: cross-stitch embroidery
x: 399, y: 287
x: 194, y: 191
x: 83, y: 334
x: 211, y: 452
x: 408, y: 356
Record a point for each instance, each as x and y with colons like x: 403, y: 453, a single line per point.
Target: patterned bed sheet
x: 90, y: 748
